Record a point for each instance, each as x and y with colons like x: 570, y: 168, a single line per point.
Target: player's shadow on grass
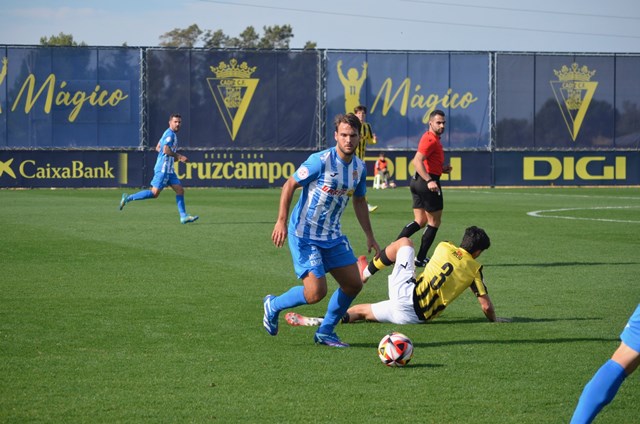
x: 494, y: 342
x: 204, y: 222
x: 558, y: 264
x: 415, y: 365
x: 514, y: 341
x: 520, y: 320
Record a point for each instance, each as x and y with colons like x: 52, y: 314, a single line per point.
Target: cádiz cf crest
x: 574, y: 91
x: 232, y: 89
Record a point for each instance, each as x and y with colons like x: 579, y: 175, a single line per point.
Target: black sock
x: 379, y: 262
x: 409, y: 230
x: 428, y: 237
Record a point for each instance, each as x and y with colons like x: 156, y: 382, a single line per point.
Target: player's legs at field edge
x: 605, y: 383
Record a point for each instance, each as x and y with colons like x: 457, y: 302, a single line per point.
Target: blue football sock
x: 338, y: 305
x: 598, y: 392
x: 180, y: 202
x: 290, y: 299
x: 141, y: 195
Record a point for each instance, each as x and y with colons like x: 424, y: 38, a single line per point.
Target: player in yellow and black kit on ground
x: 450, y: 271
x: 366, y: 137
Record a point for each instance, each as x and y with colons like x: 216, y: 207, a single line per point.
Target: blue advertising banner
x: 240, y: 168
x: 400, y: 90
x: 75, y: 168
x: 259, y: 169
x: 236, y: 168
x: 567, y: 102
x: 69, y: 97
x: 262, y: 169
x: 235, y: 100
x: 567, y: 168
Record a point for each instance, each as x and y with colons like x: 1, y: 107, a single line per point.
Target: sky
x: 462, y: 25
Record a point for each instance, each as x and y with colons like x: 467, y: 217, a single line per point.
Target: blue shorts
x: 318, y: 257
x: 163, y: 179
x: 631, y: 333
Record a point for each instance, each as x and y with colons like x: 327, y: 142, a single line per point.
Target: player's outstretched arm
x: 488, y: 309
x: 279, y: 234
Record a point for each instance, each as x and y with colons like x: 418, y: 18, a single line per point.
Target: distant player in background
x: 329, y: 179
x: 381, y: 173
x: 367, y: 136
x: 164, y: 173
x: 450, y: 272
x: 425, y: 186
x: 604, y: 385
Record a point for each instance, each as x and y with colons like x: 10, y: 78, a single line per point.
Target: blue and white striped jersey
x: 327, y: 184
x: 164, y: 163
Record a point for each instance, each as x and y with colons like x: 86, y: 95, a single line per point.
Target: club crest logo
x: 232, y: 89
x: 573, y: 91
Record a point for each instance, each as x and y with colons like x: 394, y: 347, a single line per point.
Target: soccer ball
x: 395, y: 350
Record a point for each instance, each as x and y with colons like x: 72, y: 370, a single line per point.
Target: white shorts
x: 399, y: 308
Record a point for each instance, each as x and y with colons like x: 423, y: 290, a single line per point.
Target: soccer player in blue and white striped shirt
x: 164, y: 173
x: 329, y: 179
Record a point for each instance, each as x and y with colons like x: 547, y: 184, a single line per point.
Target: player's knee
x: 421, y: 222
x: 404, y: 241
x: 352, y: 289
x: 315, y: 295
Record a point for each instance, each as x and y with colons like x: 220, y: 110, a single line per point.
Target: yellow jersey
x: 449, y: 272
x: 366, y: 137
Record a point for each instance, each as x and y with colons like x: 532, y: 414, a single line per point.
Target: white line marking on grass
x: 553, y: 194
x: 539, y: 214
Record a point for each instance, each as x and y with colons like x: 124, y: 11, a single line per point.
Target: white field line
x: 543, y: 214
x: 551, y: 194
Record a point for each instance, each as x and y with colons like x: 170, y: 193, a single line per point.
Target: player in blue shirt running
x: 604, y: 385
x: 328, y: 180
x: 164, y: 173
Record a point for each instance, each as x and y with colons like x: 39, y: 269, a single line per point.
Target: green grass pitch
x: 109, y: 316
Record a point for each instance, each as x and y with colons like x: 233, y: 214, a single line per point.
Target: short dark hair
x: 349, y: 119
x: 174, y: 115
x: 359, y: 108
x: 436, y: 112
x: 474, y: 239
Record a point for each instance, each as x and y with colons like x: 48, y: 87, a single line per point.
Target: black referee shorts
x: 423, y: 198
